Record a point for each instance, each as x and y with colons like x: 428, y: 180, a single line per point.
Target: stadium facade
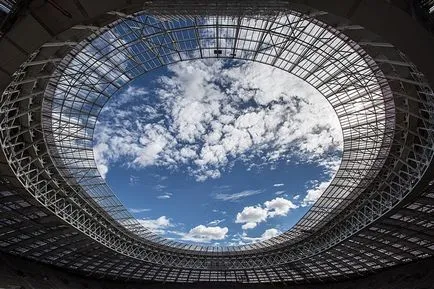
x: 63, y: 60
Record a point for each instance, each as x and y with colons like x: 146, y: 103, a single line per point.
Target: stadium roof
x: 56, y: 208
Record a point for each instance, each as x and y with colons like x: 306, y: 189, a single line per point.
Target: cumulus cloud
x: 101, y: 159
x: 156, y: 225
x: 251, y: 216
x: 205, y: 234
x: 243, y: 239
x: 279, y: 207
x: 236, y: 196
x: 201, y: 233
x: 110, y: 143
x: 249, y: 225
x: 205, y: 115
x: 270, y: 233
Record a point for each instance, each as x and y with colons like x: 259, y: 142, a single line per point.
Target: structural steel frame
x: 98, y: 67
x: 384, y: 104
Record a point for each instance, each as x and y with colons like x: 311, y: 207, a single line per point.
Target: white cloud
x: 331, y: 165
x: 105, y: 149
x: 136, y: 211
x: 165, y: 196
x: 279, y: 207
x: 296, y: 197
x: 156, y: 225
x: 215, y: 222
x: 207, y: 115
x: 314, y: 193
x: 236, y: 196
x: 270, y: 233
x: 251, y: 216
x: 101, y: 159
x: 242, y: 239
x: 200, y: 233
x: 250, y: 225
x: 205, y: 234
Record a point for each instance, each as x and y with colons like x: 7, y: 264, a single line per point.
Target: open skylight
x: 221, y: 152
x: 207, y: 119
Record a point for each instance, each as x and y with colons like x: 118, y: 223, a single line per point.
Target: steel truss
x: 385, y: 107
x: 99, y: 67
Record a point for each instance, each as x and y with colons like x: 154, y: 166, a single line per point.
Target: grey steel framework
x: 377, y: 212
x: 338, y: 68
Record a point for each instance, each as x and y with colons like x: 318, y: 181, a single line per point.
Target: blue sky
x: 218, y: 152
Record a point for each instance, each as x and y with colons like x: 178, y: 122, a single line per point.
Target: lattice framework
x: 411, y: 152
x: 136, y: 45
